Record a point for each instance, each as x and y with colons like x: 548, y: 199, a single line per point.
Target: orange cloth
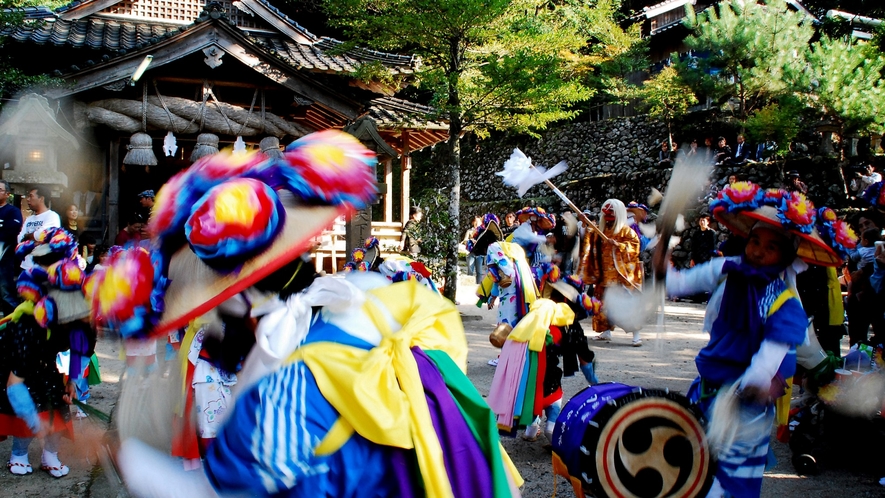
x: 603, y: 267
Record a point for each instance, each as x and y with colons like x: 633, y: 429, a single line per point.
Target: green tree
x: 612, y: 52
x: 843, y: 81
x: 752, y: 50
x: 666, y: 97
x: 490, y: 64
x: 777, y: 123
x: 12, y: 79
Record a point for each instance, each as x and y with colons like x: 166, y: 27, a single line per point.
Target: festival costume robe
x: 604, y: 267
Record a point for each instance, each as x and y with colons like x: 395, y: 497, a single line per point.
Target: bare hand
x: 70, y: 392
x: 491, y: 303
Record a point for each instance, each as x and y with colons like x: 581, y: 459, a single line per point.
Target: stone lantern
x: 33, y: 140
x: 826, y: 129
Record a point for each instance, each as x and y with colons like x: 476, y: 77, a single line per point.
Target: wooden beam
x: 120, y: 68
x: 277, y: 22
x: 405, y: 193
x: 86, y: 9
x: 215, y: 83
x: 113, y: 189
x: 388, y: 196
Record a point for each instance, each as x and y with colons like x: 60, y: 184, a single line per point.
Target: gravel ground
x: 665, y: 361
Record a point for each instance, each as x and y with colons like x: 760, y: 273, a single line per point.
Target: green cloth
x: 94, y: 377
x: 477, y: 414
x: 527, y: 415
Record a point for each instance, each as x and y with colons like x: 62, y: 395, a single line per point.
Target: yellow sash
x: 379, y: 392
x: 534, y: 326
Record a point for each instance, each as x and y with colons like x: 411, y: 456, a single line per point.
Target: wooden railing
x: 331, y: 252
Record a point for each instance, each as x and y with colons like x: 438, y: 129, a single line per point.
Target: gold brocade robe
x: 603, y: 267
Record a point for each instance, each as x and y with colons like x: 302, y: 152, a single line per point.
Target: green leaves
x: 844, y: 81
x: 748, y: 49
x: 666, y: 96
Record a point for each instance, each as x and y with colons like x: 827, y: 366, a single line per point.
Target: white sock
x: 50, y: 459
x: 636, y: 337
x: 22, y: 459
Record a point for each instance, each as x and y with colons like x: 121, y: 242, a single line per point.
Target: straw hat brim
x: 565, y: 289
x: 373, y: 256
x: 812, y: 248
x: 196, y: 288
x: 491, y: 234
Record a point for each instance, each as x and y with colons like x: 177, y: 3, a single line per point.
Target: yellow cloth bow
x: 534, y: 326
x: 379, y: 391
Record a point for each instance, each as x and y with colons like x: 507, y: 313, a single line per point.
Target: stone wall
x: 612, y: 158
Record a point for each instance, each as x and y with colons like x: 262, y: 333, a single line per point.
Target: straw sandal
x: 19, y: 469
x: 57, y: 471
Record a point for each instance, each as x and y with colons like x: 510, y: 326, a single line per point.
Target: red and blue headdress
x: 227, y: 222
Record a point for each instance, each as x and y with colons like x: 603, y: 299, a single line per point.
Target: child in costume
x: 356, y: 386
x: 523, y: 386
x: 508, y: 282
x: 610, y: 260
x: 754, y: 318
x: 573, y: 347
x: 33, y: 396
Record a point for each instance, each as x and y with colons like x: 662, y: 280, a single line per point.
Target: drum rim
x: 595, y: 485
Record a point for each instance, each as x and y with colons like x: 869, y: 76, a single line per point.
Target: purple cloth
x: 466, y: 466
x: 403, y: 473
x: 744, y: 290
x: 80, y: 348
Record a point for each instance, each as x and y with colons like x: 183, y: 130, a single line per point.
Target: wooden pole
x: 406, y: 158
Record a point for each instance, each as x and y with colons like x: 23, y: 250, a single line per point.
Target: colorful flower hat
x: 743, y: 204
x: 545, y: 220
x: 491, y: 233
x: 226, y: 223
x: 366, y: 258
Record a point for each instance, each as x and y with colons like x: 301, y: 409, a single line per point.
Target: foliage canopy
x: 487, y: 64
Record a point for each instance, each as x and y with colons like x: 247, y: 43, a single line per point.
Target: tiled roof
x: 30, y: 12
x: 95, y: 33
x: 117, y: 37
x: 387, y: 59
x: 391, y: 112
x: 314, y: 56
x: 324, y: 43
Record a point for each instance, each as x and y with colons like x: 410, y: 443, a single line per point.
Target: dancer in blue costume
x: 755, y: 321
x: 355, y: 386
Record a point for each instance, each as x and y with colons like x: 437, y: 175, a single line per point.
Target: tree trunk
x: 453, y: 161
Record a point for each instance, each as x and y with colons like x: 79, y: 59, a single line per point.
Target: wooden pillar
x: 407, y: 173
x: 113, y: 189
x: 388, y: 196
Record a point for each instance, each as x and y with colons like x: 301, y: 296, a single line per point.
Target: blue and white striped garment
x: 266, y: 447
